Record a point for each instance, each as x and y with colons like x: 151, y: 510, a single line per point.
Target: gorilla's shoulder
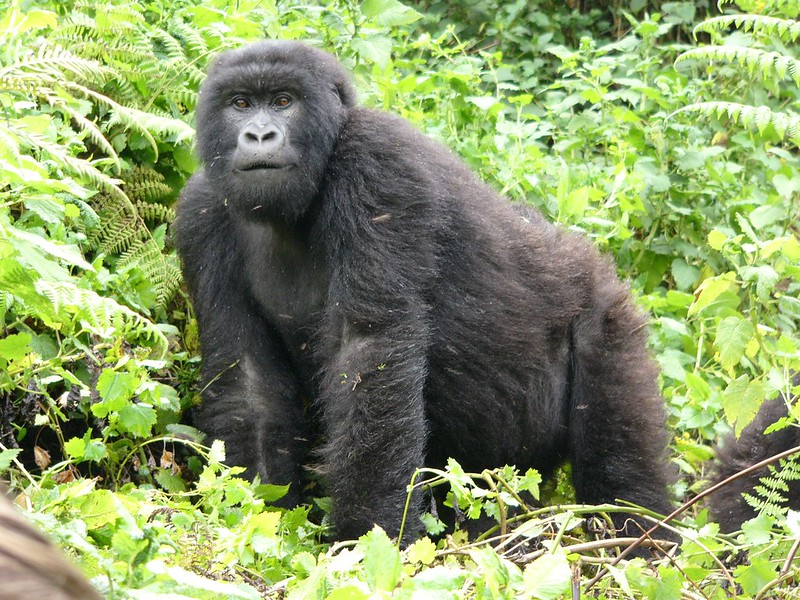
x: 388, y: 148
x: 201, y: 212
x: 377, y: 132
x: 199, y: 198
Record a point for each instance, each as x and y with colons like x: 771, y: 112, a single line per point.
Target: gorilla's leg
x: 617, y: 435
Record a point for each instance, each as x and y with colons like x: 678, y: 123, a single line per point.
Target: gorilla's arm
x: 372, y: 393
x: 617, y: 434
x: 377, y: 335
x: 250, y: 394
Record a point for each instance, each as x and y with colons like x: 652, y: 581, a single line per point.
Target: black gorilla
x: 728, y: 506
x: 357, y: 286
x: 31, y: 567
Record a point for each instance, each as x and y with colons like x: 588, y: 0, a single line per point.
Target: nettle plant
x: 750, y: 306
x: 745, y: 307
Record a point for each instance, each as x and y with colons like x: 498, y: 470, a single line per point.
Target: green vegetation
x: 678, y: 157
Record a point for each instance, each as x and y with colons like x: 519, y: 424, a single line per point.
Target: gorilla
x: 31, y: 567
x: 366, y: 304
x: 728, y: 506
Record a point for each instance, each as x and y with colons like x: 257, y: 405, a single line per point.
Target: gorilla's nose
x: 260, y: 139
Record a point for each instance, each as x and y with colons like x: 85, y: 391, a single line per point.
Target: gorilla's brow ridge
x: 260, y: 80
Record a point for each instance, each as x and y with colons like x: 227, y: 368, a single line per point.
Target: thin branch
x: 681, y: 509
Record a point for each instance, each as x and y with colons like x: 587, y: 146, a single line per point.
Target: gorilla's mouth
x: 264, y: 166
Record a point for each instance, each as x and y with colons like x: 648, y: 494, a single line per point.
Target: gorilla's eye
x: 282, y: 101
x: 241, y: 102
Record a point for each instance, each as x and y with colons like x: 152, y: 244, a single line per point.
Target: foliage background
x: 664, y: 131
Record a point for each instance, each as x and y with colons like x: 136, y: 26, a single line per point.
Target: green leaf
x: 741, y: 401
x: 786, y: 187
x: 432, y: 525
x: 348, y: 592
x: 437, y: 582
x: 791, y: 249
x: 99, y: 508
x: 75, y: 448
x: 15, y: 347
x: 69, y: 254
x: 422, y: 551
x: 7, y: 457
x: 185, y: 432
x: 216, y: 453
x: 170, y: 481
x: 756, y: 575
x: 483, y: 102
x: 266, y: 523
x: 709, y: 290
x: 684, y: 274
x: 765, y: 277
x: 137, y: 419
x: 530, y: 482
x: 575, y: 203
x: 389, y: 13
x: 716, y: 239
x: 115, y: 388
x: 95, y: 449
x: 382, y: 565
x: 668, y: 585
x: 15, y: 22
x: 376, y: 48
x: 86, y: 448
x: 548, y: 577
x: 270, y: 492
x: 758, y: 530
x: 733, y: 334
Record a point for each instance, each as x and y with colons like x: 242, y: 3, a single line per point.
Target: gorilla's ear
x: 344, y: 89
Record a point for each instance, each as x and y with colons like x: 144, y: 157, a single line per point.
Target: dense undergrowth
x: 679, y: 158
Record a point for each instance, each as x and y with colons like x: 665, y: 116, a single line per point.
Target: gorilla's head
x: 267, y: 122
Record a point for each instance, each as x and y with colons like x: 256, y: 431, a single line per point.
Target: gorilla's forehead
x: 257, y: 78
x: 270, y: 66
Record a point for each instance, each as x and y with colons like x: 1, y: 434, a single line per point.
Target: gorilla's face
x: 266, y: 127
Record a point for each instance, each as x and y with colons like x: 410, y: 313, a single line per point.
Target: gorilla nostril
x: 256, y: 136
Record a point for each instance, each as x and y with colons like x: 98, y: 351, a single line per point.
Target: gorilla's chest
x: 288, y: 280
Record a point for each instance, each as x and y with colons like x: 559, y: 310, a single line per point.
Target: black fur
x: 419, y: 314
x: 728, y: 506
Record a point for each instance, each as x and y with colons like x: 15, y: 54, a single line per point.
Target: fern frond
x: 122, y: 232
x: 119, y: 225
x: 167, y: 128
x: 53, y: 63
x: 785, y: 29
x: 25, y: 85
x: 119, y: 17
x: 100, y: 315
x: 91, y: 129
x: 787, y: 8
x: 757, y: 62
x: 161, y: 270
x: 168, y: 45
x: 755, y: 117
x: 770, y: 497
x: 190, y: 37
x: 173, y: 130
x: 154, y: 212
x: 144, y: 184
x: 81, y: 167
x: 78, y: 25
